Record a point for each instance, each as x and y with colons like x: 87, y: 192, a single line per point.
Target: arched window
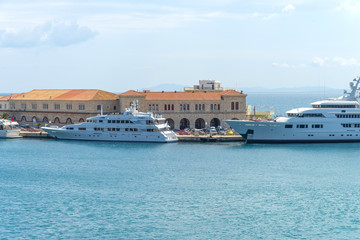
x: 81, y: 120
x: 23, y: 119
x: 45, y: 120
x: 56, y: 120
x: 68, y: 121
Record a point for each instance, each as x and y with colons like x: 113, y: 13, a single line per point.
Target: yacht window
x: 109, y: 129
x: 302, y: 126
x: 113, y: 121
x: 82, y: 129
x: 126, y: 129
x: 288, y: 126
x: 118, y: 129
x: 122, y: 121
x: 317, y: 126
x: 113, y: 129
x: 135, y: 129
x: 117, y: 121
x: 126, y: 121
x: 109, y: 121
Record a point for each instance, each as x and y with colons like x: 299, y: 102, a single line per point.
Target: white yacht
x: 332, y: 120
x: 9, y: 129
x: 132, y: 126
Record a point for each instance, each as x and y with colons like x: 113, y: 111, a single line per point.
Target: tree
x: 4, y: 115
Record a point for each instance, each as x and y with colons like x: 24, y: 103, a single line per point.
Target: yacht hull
x: 160, y: 137
x: 275, y: 132
x: 10, y: 133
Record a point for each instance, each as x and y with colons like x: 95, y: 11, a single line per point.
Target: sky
x: 117, y: 45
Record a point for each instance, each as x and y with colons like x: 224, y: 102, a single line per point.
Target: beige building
x: 193, y: 108
x: 58, y: 106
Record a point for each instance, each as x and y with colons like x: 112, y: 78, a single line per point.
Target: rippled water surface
x: 71, y: 190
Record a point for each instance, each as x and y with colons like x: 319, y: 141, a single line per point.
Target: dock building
x: 59, y: 106
x: 201, y: 106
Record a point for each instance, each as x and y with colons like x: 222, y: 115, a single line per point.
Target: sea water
x: 52, y: 189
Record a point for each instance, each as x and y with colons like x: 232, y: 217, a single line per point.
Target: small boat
x: 9, y: 129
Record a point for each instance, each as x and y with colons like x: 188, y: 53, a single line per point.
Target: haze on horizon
x: 121, y: 45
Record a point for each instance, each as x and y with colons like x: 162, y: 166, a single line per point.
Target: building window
x: 219, y: 107
x: 237, y: 105
x: 98, y: 107
x: 0, y: 106
x: 181, y: 107
x: 82, y: 107
x: 215, y: 107
x: 203, y: 107
x: 165, y: 107
x: 196, y: 107
x: 232, y: 106
x: 157, y: 107
x: 34, y: 106
x: 45, y: 106
x: 149, y: 107
x: 12, y: 106
x: 199, y: 107
x: 211, y: 107
x: 68, y: 107
x: 57, y: 106
x: 23, y: 105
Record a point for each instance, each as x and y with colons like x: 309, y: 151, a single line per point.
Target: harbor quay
x: 201, y: 106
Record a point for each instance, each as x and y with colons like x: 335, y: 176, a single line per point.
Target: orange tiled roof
x: 5, y: 98
x: 63, y: 94
x: 200, y: 95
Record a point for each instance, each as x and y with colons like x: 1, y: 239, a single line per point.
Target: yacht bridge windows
x: 305, y: 115
x: 334, y: 106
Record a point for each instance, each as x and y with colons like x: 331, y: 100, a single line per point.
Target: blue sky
x: 122, y: 45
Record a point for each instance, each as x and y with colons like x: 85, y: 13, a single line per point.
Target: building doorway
x: 184, y: 123
x: 170, y: 122
x: 200, y: 123
x: 215, y: 122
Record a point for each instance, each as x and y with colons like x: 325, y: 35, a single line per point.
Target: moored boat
x: 331, y: 120
x: 132, y: 126
x: 9, y: 129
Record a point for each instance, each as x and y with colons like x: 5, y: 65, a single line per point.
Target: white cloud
x: 288, y: 8
x: 318, y: 61
x: 286, y: 65
x: 350, y: 62
x: 47, y: 34
x: 350, y: 6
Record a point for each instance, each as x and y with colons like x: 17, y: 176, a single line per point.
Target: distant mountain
x: 166, y: 87
x: 292, y: 90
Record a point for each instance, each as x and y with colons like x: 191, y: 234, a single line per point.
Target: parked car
x: 229, y: 132
x: 197, y: 132
x: 213, y: 131
x: 184, y: 132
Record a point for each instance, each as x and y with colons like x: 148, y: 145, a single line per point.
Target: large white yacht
x: 132, y: 126
x: 332, y: 120
x: 9, y: 129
